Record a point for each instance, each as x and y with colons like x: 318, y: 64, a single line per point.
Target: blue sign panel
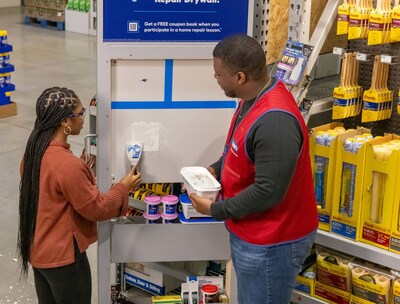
x: 173, y: 20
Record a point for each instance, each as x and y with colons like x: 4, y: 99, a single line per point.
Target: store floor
x: 43, y: 57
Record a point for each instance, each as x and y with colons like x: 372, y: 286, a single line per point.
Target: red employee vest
x: 296, y: 215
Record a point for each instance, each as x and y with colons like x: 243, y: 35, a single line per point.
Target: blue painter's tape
x: 168, y: 103
x: 169, y: 68
x: 157, y: 105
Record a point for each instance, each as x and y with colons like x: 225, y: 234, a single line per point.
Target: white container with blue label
x: 170, y: 204
x: 187, y: 207
x: 152, y: 204
x: 169, y: 218
x: 151, y: 219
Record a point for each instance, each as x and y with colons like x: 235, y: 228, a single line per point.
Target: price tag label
x: 338, y: 51
x: 362, y: 57
x: 387, y: 59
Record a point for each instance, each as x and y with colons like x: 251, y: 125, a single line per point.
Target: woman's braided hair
x: 52, y: 106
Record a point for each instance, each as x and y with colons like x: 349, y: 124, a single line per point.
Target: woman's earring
x: 67, y: 130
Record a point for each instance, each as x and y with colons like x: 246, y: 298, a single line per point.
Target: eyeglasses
x: 82, y: 114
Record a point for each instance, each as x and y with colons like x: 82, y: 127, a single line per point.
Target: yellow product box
x: 324, y: 188
x: 355, y: 24
x: 330, y: 294
x: 377, y: 23
x: 166, y: 299
x: 378, y: 192
x: 395, y: 230
x: 396, y: 291
x: 395, y: 28
x: 370, y: 285
x: 348, y: 185
x: 333, y: 269
x: 306, y: 280
x: 343, y: 19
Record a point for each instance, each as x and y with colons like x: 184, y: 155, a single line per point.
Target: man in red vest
x: 268, y: 200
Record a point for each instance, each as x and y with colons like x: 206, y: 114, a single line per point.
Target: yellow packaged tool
x: 347, y: 194
x: 343, y: 18
x: 333, y: 269
x: 174, y: 299
x: 341, y: 95
x: 356, y: 21
x: 378, y: 100
x: 380, y: 23
x: 396, y: 287
x: 395, y: 230
x: 398, y: 103
x: 323, y: 143
x: 395, y: 28
x: 370, y: 285
x: 379, y: 191
x: 347, y: 97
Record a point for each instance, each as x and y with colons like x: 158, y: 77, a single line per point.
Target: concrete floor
x: 43, y: 57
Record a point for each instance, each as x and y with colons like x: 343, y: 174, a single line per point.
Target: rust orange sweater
x: 69, y: 206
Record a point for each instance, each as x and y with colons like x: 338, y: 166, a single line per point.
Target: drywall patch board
x: 182, y: 118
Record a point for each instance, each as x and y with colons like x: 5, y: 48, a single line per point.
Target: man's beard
x: 230, y: 93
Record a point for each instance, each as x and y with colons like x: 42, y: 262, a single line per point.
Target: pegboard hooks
x: 390, y: 59
x: 341, y: 51
x: 364, y: 57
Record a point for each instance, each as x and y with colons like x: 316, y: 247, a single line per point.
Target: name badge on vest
x: 234, y: 147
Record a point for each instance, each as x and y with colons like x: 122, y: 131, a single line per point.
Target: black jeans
x: 70, y: 284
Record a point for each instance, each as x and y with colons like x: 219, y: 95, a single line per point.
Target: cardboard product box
x: 329, y: 153
x: 8, y: 110
x: 333, y: 269
x: 396, y: 289
x: 395, y: 226
x: 166, y: 299
x: 145, y: 278
x: 204, y: 280
x: 330, y: 294
x: 305, y: 282
x: 347, y: 202
x: 377, y: 210
x: 372, y: 283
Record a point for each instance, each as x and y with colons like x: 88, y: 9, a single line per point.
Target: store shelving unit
x: 7, y: 107
x: 358, y: 249
x: 93, y: 18
x: 350, y: 247
x: 122, y: 242
x: 301, y: 298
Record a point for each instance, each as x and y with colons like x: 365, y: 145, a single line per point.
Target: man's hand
x: 212, y: 171
x: 202, y: 205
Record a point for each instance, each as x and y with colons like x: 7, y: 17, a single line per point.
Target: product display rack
x: 358, y: 249
x: 120, y: 243
x: 7, y: 107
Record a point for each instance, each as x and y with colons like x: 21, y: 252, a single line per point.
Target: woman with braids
x: 60, y: 204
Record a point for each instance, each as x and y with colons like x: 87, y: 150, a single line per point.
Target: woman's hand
x: 90, y: 159
x: 132, y: 179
